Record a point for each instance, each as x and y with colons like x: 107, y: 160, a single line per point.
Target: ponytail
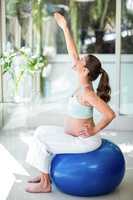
x: 104, y: 90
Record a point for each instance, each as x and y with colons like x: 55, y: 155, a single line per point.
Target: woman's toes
x: 34, y: 179
x: 37, y: 188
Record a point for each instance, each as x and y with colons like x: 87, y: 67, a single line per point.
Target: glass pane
x: 18, y: 35
x: 18, y: 23
x: 92, y: 24
x: 54, y: 41
x: 127, y: 27
x: 97, y: 26
x: 126, y: 96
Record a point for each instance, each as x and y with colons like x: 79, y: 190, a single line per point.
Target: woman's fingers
x: 87, y: 130
x: 84, y: 131
x: 57, y: 16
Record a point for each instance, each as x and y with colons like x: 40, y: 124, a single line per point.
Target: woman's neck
x: 87, y: 85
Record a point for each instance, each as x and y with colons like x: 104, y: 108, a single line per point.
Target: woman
x: 79, y: 134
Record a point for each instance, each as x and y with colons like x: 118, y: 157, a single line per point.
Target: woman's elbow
x: 111, y: 115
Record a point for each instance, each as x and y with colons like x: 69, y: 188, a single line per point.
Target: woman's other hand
x: 60, y: 19
x: 87, y: 131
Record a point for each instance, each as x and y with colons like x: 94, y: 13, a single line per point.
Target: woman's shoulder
x: 89, y: 95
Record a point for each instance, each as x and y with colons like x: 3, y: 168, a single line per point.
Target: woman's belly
x: 73, y: 126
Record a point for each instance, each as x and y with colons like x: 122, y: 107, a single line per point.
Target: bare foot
x: 38, y: 188
x: 36, y: 179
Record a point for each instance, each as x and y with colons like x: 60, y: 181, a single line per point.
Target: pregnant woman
x: 80, y: 134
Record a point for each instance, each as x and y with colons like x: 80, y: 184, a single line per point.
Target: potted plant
x: 22, y: 62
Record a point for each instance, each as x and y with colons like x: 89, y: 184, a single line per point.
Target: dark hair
x: 94, y: 66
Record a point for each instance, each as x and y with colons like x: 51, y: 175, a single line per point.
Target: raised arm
x: 71, y: 46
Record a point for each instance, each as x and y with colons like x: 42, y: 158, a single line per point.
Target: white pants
x: 50, y: 140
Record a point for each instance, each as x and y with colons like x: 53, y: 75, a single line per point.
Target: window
x: 18, y: 24
x: 127, y: 27
x: 92, y: 24
x: 97, y: 26
x: 126, y: 95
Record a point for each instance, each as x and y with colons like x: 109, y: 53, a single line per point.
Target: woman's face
x: 80, y: 65
x: 82, y: 71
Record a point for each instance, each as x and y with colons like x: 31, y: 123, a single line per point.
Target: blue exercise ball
x: 89, y: 174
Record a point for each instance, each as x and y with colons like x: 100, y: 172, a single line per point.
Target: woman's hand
x: 60, y: 19
x: 87, y: 131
